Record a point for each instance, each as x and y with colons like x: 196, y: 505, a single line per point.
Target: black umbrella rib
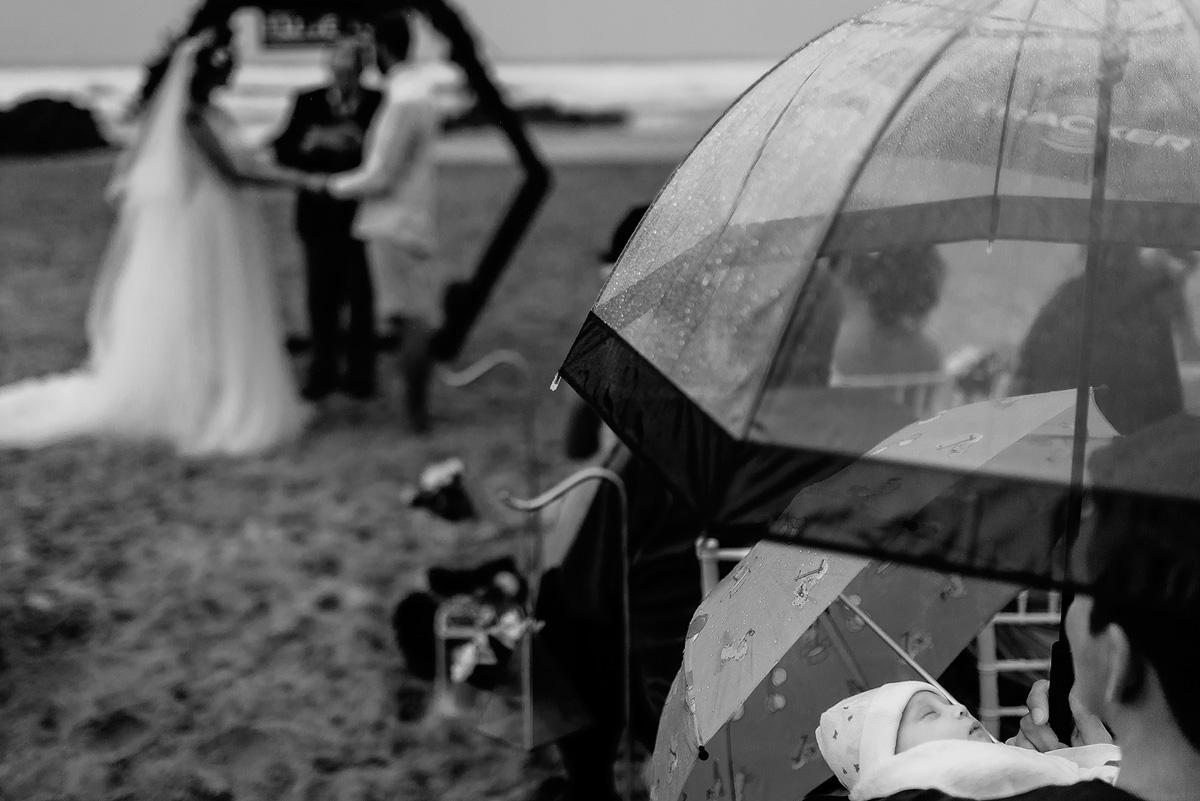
x: 1012, y: 84
x: 901, y: 99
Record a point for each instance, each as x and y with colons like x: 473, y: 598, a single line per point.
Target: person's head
x: 620, y: 238
x: 393, y: 39
x: 862, y: 731
x: 900, y: 287
x: 215, y: 63
x: 346, y: 62
x: 1133, y: 664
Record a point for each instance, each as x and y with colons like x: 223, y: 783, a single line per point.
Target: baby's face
x: 929, y: 718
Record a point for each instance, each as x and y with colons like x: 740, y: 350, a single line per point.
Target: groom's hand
x: 311, y: 141
x: 317, y: 183
x: 339, y: 137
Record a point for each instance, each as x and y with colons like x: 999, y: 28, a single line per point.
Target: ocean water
x: 658, y: 96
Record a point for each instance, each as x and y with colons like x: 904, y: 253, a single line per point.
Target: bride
x: 185, y: 346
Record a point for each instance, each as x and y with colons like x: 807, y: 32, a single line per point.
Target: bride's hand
x: 314, y: 182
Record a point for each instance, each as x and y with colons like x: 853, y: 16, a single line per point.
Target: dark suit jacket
x: 319, y: 216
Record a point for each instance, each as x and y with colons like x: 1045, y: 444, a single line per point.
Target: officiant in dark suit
x: 325, y: 135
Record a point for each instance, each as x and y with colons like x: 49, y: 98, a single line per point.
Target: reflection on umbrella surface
x: 1041, y: 151
x: 772, y: 647
x: 971, y: 485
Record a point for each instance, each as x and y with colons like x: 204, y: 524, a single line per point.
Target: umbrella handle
x: 1062, y: 677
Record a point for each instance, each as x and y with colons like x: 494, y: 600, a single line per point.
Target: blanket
x: 976, y: 770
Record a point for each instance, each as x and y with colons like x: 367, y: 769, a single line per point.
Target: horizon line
x: 284, y: 58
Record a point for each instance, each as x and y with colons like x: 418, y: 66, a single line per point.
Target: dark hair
x: 1144, y: 555
x: 213, y: 62
x: 1155, y: 633
x: 348, y: 37
x: 623, y: 233
x: 899, y: 285
x: 392, y: 33
x: 156, y: 71
x: 1132, y: 354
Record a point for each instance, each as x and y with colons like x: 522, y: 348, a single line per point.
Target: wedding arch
x: 464, y: 300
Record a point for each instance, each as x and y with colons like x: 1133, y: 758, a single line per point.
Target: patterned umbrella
x: 791, y: 631
x: 773, y: 646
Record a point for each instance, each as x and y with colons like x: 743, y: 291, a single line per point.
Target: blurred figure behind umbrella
x: 889, y: 296
x: 1139, y: 309
x: 586, y: 434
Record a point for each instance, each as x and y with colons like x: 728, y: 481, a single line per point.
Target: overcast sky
x: 94, y: 32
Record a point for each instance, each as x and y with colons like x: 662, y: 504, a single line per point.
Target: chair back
x: 925, y: 394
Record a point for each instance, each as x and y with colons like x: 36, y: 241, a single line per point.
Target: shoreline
x: 595, y: 146
x: 667, y: 106
x: 557, y: 147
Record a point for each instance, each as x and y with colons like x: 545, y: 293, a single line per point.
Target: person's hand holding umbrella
x: 1037, y: 734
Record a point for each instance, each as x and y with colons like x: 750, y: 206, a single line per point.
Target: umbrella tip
x: 702, y: 754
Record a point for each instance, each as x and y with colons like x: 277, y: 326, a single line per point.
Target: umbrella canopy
x: 1001, y: 174
x: 755, y: 682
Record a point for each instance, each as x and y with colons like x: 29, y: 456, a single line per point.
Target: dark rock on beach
x: 475, y: 117
x: 45, y: 125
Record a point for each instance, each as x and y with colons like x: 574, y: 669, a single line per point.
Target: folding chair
x: 710, y: 555
x: 925, y: 393
x: 991, y: 666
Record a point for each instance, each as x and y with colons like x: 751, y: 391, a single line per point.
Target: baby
x: 908, y: 736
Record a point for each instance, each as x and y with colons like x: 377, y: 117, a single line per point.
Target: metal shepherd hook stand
x: 531, y: 544
x: 540, y: 502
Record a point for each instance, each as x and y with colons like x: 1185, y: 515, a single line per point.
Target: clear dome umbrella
x: 1013, y: 179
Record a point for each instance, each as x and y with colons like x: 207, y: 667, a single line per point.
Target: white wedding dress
x: 185, y: 342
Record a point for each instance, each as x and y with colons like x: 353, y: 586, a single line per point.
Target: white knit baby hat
x: 858, y: 733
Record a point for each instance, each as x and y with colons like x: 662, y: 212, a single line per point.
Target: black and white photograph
x: 599, y: 400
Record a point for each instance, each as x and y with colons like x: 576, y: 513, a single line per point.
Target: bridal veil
x: 184, y: 339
